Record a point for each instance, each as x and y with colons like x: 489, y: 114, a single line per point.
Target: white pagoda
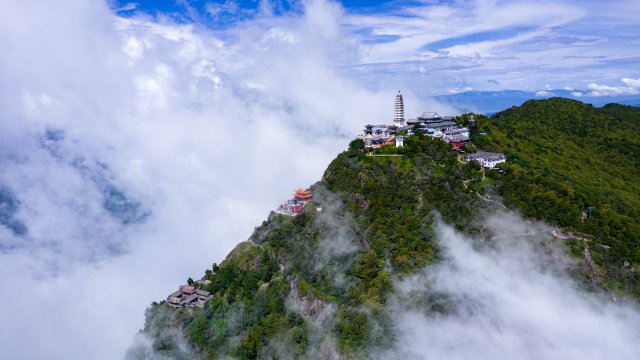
x: 398, y: 111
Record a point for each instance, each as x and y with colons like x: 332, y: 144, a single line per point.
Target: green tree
x: 357, y: 144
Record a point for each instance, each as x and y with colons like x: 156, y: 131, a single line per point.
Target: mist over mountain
x: 142, y: 141
x: 510, y: 298
x: 132, y: 152
x: 410, y: 253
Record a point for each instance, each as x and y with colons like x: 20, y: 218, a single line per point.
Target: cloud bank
x: 507, y: 297
x: 519, y: 44
x: 134, y: 152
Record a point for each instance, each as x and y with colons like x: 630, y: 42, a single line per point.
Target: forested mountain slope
x: 336, y: 264
x: 322, y: 284
x: 566, y: 158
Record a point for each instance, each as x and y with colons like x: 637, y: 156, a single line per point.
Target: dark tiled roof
x: 486, y: 155
x: 202, y: 292
x: 190, y: 299
x: 442, y: 124
x: 429, y: 115
x: 187, y: 289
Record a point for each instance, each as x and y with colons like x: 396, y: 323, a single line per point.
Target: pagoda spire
x: 398, y: 110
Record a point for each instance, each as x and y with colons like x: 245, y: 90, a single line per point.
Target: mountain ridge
x: 490, y: 102
x: 318, y: 285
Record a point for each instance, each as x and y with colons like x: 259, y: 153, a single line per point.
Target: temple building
x: 456, y: 133
x: 294, y: 206
x: 398, y: 111
x: 488, y: 160
x: 302, y: 194
x: 376, y: 135
x: 441, y: 126
x: 189, y: 296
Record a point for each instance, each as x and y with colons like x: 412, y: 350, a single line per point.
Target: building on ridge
x: 457, y: 141
x: 390, y: 141
x: 455, y: 133
x: 294, y: 206
x: 188, y: 296
x: 433, y: 124
x: 303, y: 194
x: 430, y: 117
x: 441, y: 126
x: 487, y: 160
x: 376, y: 135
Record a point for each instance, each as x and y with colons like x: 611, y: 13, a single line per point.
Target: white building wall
x: 490, y: 164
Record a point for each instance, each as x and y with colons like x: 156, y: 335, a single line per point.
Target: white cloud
x: 128, y: 7
x: 134, y: 48
x: 460, y: 90
x: 507, y: 297
x: 519, y: 44
x: 280, y: 34
x: 196, y: 137
x: 597, y: 90
x: 215, y: 9
x: 634, y: 83
x: 543, y: 93
x: 420, y: 25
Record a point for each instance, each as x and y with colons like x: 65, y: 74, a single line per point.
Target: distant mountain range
x: 490, y: 102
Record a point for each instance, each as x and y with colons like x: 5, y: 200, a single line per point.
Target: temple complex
x: 188, y: 296
x: 428, y: 123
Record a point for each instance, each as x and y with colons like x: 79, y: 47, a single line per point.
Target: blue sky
x: 221, y: 14
x: 183, y: 7
x: 448, y: 47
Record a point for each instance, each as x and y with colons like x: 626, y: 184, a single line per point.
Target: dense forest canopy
x: 566, y: 158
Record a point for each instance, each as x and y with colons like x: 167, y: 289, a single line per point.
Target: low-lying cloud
x: 507, y: 296
x: 135, y: 152
x: 630, y: 87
